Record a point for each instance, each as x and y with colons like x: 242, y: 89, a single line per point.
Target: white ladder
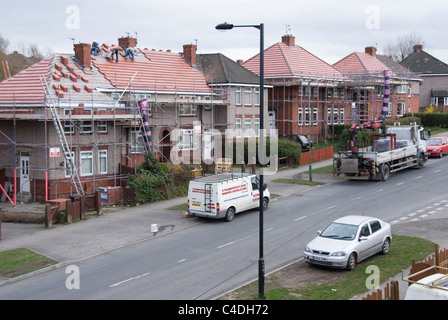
x: 69, y: 160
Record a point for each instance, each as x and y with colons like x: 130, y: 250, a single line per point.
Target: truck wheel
x: 420, y: 160
x: 230, y: 214
x: 265, y: 203
x: 385, y: 171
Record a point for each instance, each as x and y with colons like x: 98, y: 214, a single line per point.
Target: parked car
x: 347, y: 241
x: 302, y: 139
x: 437, y: 146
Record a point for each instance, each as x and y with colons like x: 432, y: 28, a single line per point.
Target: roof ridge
x: 285, y: 58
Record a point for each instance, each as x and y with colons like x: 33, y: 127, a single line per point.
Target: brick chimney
x: 371, y: 51
x: 190, y: 53
x: 127, y: 42
x: 418, y: 48
x: 289, y: 40
x: 82, y: 53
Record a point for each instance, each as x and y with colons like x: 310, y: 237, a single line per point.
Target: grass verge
x: 20, y: 261
x: 348, y: 284
x: 297, y: 181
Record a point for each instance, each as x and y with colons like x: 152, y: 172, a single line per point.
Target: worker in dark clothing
x: 114, y: 51
x: 95, y: 48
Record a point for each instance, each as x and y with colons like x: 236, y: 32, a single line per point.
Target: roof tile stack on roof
x: 153, y: 71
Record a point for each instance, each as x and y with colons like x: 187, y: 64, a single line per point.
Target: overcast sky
x: 329, y: 29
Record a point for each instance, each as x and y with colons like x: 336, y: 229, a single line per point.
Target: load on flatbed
x: 399, y: 148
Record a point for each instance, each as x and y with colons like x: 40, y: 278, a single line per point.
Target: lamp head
x: 224, y: 26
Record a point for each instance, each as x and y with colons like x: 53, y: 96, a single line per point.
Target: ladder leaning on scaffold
x: 69, y: 159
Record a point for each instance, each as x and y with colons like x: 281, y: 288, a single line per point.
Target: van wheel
x: 265, y: 203
x: 230, y: 214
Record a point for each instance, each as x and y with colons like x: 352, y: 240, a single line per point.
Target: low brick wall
x: 317, y: 155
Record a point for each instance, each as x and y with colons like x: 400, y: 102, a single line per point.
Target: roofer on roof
x: 130, y: 52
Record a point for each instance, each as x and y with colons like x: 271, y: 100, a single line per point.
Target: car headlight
x: 307, y: 249
x: 338, y: 254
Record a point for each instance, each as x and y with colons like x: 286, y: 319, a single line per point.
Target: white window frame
x: 67, y: 168
x: 247, y: 127
x: 102, y: 154
x: 401, y: 88
x: 238, y: 96
x: 401, y: 109
x: 188, y: 109
x: 86, y: 156
x: 257, y: 96
x: 86, y: 126
x: 102, y: 126
x: 300, y: 113
x: 315, y: 116
x: 186, y: 139
x: 329, y: 116
x: 300, y: 91
x: 247, y: 96
x: 137, y: 142
x: 307, y: 116
x: 238, y: 131
x: 435, y: 101
x: 257, y: 126
x: 342, y: 116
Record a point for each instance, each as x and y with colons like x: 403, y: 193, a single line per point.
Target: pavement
x: 119, y: 227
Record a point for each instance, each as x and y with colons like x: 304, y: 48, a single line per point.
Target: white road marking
x: 227, y: 244
x: 127, y: 280
x: 400, y: 183
x: 182, y: 260
x: 300, y: 218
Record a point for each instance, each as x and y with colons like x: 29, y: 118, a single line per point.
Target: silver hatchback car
x: 349, y: 240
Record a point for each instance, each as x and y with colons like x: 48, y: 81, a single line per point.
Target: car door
x: 376, y: 236
x: 365, y: 244
x: 445, y: 145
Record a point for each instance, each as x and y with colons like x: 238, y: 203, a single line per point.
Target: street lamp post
x: 261, y: 153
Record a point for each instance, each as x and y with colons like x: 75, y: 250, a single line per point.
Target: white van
x: 223, y: 195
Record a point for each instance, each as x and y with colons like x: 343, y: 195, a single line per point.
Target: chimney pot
x: 371, y: 51
x: 190, y: 53
x: 418, y: 48
x: 127, y: 42
x: 289, y: 40
x: 82, y: 53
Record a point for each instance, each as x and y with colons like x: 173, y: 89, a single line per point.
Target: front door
x: 24, y: 172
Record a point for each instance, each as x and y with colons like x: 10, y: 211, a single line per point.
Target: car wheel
x: 440, y: 154
x: 351, y: 262
x: 265, y: 203
x: 385, y: 248
x: 230, y: 214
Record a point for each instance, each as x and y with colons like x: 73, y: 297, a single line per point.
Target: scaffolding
x: 353, y: 98
x: 107, y: 132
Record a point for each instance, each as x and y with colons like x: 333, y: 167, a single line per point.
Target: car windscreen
x: 434, y: 142
x: 303, y: 139
x: 340, y: 231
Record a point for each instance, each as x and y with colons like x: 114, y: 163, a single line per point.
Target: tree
x: 403, y: 46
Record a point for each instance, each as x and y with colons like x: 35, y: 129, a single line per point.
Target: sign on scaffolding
x: 55, y: 152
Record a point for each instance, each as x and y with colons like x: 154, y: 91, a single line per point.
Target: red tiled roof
x: 154, y: 71
x: 25, y: 87
x: 282, y: 60
x: 359, y: 63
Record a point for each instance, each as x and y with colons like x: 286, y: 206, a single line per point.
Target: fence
x: 435, y: 263
x: 317, y: 155
x: 391, y: 292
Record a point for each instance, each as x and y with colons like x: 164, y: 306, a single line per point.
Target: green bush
x: 433, y: 119
x: 153, y: 183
